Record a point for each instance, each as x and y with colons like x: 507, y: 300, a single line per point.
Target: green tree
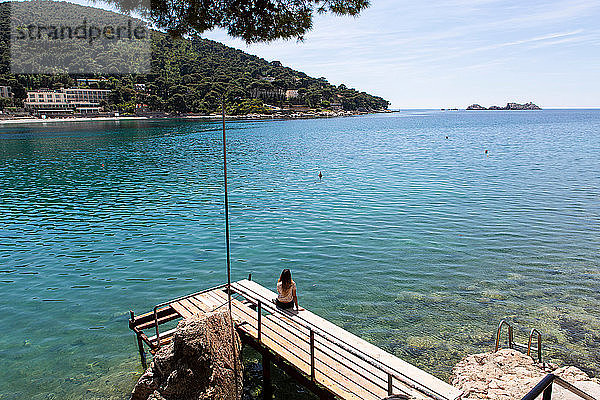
x: 177, y: 103
x: 251, y: 20
x: 5, y: 102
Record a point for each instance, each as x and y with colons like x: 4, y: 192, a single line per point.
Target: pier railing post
x: 259, y: 319
x: 156, y: 326
x: 547, y: 393
x: 390, y: 386
x: 312, y: 355
x: 139, y: 340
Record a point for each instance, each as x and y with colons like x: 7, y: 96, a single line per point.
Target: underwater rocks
x: 509, y: 375
x: 199, y: 364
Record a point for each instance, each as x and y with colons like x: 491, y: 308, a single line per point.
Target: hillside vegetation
x: 187, y: 75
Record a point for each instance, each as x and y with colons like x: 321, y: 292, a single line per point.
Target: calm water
x: 418, y: 243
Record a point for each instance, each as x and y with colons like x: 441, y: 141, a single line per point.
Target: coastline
x: 210, y: 117
x: 18, y: 121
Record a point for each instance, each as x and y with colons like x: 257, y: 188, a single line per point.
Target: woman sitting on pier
x: 286, y: 288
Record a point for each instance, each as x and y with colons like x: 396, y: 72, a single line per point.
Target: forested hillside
x: 187, y: 75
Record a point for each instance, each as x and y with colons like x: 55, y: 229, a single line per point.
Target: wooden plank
x: 150, y: 315
x: 274, y: 335
x: 161, y: 320
x: 201, y: 302
x: 164, y: 334
x: 184, y: 312
x: 413, y: 373
x: 190, y: 306
x: 357, y: 378
x: 211, y: 302
x: 357, y: 367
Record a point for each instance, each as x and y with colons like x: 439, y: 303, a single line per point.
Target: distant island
x: 509, y: 106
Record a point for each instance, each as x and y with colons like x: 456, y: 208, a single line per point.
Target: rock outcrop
x: 199, y: 363
x: 509, y: 106
x: 509, y: 375
x: 476, y: 107
x: 526, y: 106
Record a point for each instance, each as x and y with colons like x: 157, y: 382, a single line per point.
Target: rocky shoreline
x: 200, y: 363
x: 509, y: 375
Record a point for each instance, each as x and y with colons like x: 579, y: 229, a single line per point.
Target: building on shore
x: 269, y: 79
x: 6, y: 92
x: 66, y: 101
x: 45, y: 101
x: 268, y: 94
x: 89, y: 81
x: 336, y: 106
x: 86, y: 100
x: 291, y: 94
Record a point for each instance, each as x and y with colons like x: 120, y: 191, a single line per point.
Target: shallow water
x: 417, y: 243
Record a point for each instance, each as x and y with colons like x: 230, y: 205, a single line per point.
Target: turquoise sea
x: 416, y: 242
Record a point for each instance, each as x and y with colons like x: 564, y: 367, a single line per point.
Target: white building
x: 336, y: 106
x: 6, y: 92
x: 86, y: 100
x: 88, y: 81
x: 46, y: 101
x: 291, y: 94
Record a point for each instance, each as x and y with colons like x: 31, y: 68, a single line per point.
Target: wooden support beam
x: 266, y: 373
x: 139, y: 341
x: 142, y: 352
x: 259, y: 327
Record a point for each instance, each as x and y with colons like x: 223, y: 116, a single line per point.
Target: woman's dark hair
x: 285, y: 279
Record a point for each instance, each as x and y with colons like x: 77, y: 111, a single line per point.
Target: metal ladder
x: 518, y: 346
x: 544, y: 387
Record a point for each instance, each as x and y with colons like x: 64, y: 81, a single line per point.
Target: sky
x: 452, y: 53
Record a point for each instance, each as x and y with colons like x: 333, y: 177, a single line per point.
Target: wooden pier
x: 328, y: 360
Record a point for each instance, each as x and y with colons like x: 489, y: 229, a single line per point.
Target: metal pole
x: 228, y: 252
x: 547, y: 393
x: 226, y: 208
x: 312, y: 355
x: 541, y: 387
